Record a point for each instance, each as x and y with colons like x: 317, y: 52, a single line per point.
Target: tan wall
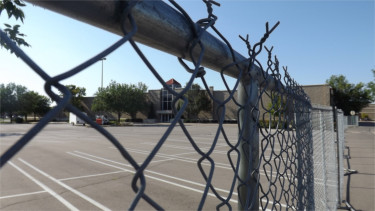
x: 370, y: 111
x: 319, y: 94
x: 230, y: 107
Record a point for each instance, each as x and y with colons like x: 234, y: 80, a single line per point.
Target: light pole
x: 102, y: 71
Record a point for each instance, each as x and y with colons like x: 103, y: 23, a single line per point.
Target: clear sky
x: 316, y: 39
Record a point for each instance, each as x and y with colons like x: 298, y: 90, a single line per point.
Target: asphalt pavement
x: 73, y: 167
x: 361, y: 141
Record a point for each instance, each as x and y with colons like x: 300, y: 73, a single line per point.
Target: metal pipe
x: 324, y: 160
x: 249, y: 146
x: 102, y: 59
x: 338, y: 156
x: 159, y: 26
x: 300, y: 185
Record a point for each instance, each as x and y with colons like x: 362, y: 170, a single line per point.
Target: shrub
x: 133, y: 120
x: 274, y: 124
x: 364, y: 116
x: 19, y: 120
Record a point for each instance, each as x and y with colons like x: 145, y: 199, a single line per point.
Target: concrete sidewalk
x: 361, y: 141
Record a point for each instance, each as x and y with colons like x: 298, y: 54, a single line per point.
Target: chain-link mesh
x: 279, y: 132
x: 340, y: 152
x: 327, y: 162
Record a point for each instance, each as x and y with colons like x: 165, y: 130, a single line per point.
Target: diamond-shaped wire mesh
x: 289, y: 149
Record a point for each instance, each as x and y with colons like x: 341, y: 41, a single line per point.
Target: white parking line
x: 153, y: 172
x: 209, y: 142
x: 202, y: 149
x: 184, y: 159
x: 206, y: 163
x: 50, y: 191
x: 148, y: 176
x: 188, y: 147
x: 185, y: 153
x: 92, y: 201
x: 156, y: 161
x: 92, y: 175
x: 22, y: 194
x: 160, y: 174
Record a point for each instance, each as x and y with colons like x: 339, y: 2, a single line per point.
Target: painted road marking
x: 153, y: 172
x: 50, y: 191
x: 92, y: 175
x: 92, y: 201
x: 22, y: 194
x: 148, y: 176
x: 191, y: 160
x: 184, y: 159
x: 160, y: 174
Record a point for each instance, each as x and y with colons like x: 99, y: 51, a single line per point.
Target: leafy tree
x: 371, y: 86
x: 12, y: 7
x: 16, y: 99
x: 277, y: 106
x: 10, y: 95
x: 32, y: 102
x: 43, y: 106
x: 77, y: 95
x: 121, y: 98
x: 27, y: 103
x: 7, y: 100
x: 347, y: 96
x: 198, y: 100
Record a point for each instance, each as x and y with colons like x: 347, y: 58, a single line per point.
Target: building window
x: 166, y: 100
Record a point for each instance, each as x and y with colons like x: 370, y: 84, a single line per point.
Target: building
x: 319, y: 94
x: 368, y: 113
x: 165, y: 111
x: 161, y: 102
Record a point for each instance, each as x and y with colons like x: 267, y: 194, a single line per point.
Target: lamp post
x: 102, y: 71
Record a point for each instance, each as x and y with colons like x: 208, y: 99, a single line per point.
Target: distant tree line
x: 130, y: 98
x: 198, y: 100
x: 121, y: 98
x: 78, y: 93
x: 351, y: 97
x: 17, y: 100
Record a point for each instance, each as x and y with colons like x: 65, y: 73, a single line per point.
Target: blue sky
x: 316, y: 39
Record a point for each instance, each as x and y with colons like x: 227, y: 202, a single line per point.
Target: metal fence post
x: 322, y: 137
x: 311, y: 179
x: 336, y: 124
x: 300, y: 177
x: 249, y: 146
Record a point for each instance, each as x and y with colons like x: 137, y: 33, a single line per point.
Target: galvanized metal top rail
x: 159, y: 26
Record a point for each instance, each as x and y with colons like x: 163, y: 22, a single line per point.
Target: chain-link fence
x: 328, y: 141
x: 285, y: 155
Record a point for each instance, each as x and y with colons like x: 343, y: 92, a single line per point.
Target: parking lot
x: 361, y: 141
x: 69, y: 167
x: 76, y: 168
